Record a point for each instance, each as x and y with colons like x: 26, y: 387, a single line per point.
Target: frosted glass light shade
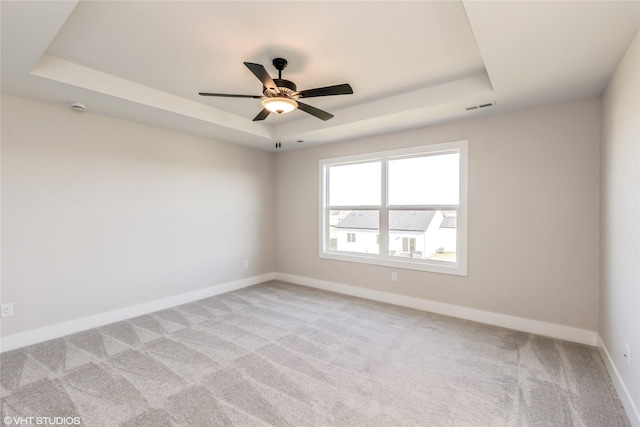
x: 279, y: 104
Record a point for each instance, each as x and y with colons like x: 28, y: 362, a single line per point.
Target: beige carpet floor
x: 285, y: 355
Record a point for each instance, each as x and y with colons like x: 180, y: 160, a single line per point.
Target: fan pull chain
x: 278, y: 141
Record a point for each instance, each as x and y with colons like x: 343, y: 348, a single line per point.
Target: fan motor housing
x: 285, y: 87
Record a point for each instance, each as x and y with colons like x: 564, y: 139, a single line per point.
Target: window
x: 402, y: 208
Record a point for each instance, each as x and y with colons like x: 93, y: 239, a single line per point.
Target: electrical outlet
x: 394, y: 276
x: 7, y: 309
x: 246, y: 263
x: 627, y: 353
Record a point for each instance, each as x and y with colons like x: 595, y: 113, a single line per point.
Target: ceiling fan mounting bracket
x: 279, y: 63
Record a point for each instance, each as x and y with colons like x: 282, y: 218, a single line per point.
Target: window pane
x: 354, y: 231
x: 423, y: 234
x: 355, y: 185
x: 426, y: 180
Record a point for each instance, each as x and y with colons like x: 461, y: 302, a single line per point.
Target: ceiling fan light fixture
x: 281, y: 96
x: 279, y: 104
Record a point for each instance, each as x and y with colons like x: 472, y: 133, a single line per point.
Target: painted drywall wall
x: 100, y: 214
x: 620, y: 220
x: 533, y: 215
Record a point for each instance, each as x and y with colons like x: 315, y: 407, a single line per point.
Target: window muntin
x: 401, y: 208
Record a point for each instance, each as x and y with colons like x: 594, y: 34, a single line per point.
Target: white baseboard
x: 629, y: 405
x: 582, y: 336
x: 552, y: 330
x: 58, y: 330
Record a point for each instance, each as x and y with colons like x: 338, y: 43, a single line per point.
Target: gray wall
x: 100, y: 214
x: 620, y: 219
x: 533, y: 215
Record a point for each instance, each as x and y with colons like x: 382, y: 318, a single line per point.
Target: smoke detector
x: 77, y: 106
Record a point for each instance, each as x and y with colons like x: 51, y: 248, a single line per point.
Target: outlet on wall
x: 7, y: 309
x: 394, y: 276
x: 627, y: 353
x: 246, y: 263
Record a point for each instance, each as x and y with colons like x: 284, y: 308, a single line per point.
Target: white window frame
x: 459, y: 267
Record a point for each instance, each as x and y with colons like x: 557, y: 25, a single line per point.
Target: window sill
x: 442, y: 267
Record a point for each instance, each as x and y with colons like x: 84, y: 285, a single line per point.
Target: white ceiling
x: 410, y: 63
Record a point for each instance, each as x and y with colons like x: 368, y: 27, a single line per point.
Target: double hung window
x: 401, y: 208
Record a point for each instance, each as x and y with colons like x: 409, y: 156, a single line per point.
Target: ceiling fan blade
x: 343, y: 89
x: 262, y: 115
x: 262, y: 75
x: 322, y: 115
x: 227, y: 95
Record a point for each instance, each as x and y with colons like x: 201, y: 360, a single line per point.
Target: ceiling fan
x: 281, y: 96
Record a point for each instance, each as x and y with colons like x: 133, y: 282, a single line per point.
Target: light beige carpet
x: 284, y: 355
